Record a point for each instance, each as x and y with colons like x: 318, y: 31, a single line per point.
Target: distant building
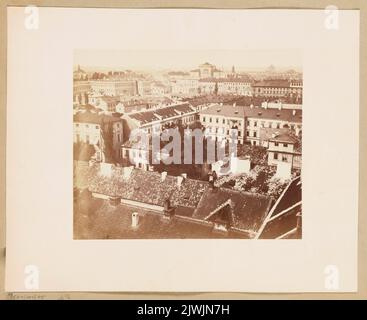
x: 207, y: 70
x: 80, y: 74
x: 114, y: 87
x: 235, y: 86
x: 277, y: 88
x: 81, y: 89
x: 105, y: 103
x: 185, y: 87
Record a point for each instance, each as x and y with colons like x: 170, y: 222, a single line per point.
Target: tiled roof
x: 278, y: 83
x: 249, y: 210
x: 143, y: 186
x: 163, y: 113
x: 193, y: 199
x: 275, y: 114
x: 144, y: 117
x: 280, y: 135
x: 114, y: 222
x: 225, y: 110
x: 95, y: 118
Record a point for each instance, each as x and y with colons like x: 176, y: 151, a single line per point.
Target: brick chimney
x: 168, y: 211
x: 180, y: 179
x: 134, y: 220
x: 163, y: 176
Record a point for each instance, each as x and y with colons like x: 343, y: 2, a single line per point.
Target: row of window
x: 283, y: 157
x: 222, y: 130
x: 223, y: 120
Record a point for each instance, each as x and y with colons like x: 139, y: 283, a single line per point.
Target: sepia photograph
x: 187, y: 144
x: 182, y: 150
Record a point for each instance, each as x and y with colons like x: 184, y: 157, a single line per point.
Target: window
x: 217, y: 120
x: 87, y: 126
x: 239, y: 133
x: 118, y: 137
x: 227, y: 132
x: 248, y: 133
x: 285, y: 145
x: 255, y: 134
x: 203, y: 119
x: 77, y: 124
x: 210, y: 119
x: 275, y: 156
x: 224, y: 121
x: 276, y: 144
x: 278, y: 125
x: 284, y: 158
x: 255, y: 123
x: 249, y: 123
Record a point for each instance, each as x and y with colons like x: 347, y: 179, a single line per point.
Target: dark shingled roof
x: 249, y: 210
x: 164, y: 113
x: 193, y: 199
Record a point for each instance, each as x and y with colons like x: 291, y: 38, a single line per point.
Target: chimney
x: 168, y: 211
x: 163, y: 176
x: 294, y: 112
x: 134, y: 220
x: 180, y: 179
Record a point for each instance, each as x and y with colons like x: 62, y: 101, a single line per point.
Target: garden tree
x: 216, y: 88
x: 108, y: 149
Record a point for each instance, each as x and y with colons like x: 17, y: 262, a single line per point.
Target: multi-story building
x: 105, y: 103
x: 160, y: 118
x: 144, y: 87
x: 100, y: 130
x: 277, y: 88
x: 282, y: 146
x: 81, y: 89
x: 114, y: 87
x: 186, y: 87
x: 257, y: 118
x: 207, y: 70
x: 218, y: 121
x: 235, y: 85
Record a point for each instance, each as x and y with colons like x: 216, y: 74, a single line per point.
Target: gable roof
x: 249, y: 210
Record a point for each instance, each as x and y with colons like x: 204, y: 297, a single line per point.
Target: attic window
x: 259, y: 113
x: 218, y: 110
x: 278, y: 114
x: 236, y: 112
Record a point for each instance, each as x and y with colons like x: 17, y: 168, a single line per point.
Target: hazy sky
x: 186, y: 60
